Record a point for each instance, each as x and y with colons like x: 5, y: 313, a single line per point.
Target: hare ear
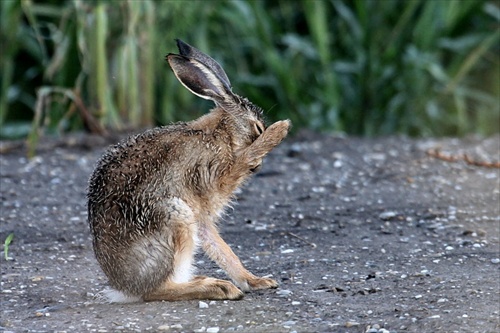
x: 191, y: 52
x: 198, y: 78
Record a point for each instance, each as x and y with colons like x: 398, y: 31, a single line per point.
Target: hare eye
x: 258, y: 128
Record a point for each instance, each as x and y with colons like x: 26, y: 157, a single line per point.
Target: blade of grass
x: 9, y: 23
x: 6, y: 244
x: 28, y: 8
x: 472, y: 59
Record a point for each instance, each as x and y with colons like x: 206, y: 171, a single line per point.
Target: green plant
x: 6, y: 245
x: 358, y: 66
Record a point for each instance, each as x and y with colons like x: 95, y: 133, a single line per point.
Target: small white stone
x: 351, y: 324
x: 387, y: 215
x: 284, y: 292
x: 200, y: 330
x: 202, y: 305
x: 448, y: 248
x: 295, y: 303
x: 213, y: 330
x: 495, y: 261
x: 287, y: 251
x: 418, y: 296
x: 163, y: 328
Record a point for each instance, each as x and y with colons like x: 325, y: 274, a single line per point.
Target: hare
x: 156, y: 197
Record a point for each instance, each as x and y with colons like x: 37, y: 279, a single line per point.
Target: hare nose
x: 257, y: 168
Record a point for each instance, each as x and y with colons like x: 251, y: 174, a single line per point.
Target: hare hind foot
x: 200, y: 287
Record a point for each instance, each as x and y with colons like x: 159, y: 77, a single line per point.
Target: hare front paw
x: 257, y: 283
x: 278, y: 131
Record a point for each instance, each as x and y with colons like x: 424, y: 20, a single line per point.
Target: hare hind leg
x: 199, y: 288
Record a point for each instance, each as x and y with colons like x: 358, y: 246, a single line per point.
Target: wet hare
x: 156, y: 197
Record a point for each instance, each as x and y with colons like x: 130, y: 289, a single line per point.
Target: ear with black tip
x: 192, y: 52
x: 198, y: 78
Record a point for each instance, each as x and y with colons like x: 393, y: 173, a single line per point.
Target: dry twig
x: 436, y: 153
x: 313, y: 245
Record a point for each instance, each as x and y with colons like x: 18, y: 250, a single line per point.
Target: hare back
x: 167, y: 162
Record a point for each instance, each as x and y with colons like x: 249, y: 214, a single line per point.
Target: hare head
x: 205, y: 78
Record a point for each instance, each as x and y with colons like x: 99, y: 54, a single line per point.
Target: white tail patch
x: 110, y: 295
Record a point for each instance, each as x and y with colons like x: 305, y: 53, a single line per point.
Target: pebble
x: 288, y: 323
x: 351, y: 324
x: 495, y: 261
x: 387, y: 215
x: 284, y: 292
x: 202, y: 305
x: 163, y: 328
x: 213, y: 329
x: 176, y: 326
x: 295, y: 303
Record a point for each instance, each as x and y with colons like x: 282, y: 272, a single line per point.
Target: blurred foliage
x: 363, y: 67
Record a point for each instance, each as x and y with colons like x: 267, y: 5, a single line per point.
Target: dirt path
x: 363, y: 236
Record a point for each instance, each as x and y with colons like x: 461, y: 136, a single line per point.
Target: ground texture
x: 363, y: 235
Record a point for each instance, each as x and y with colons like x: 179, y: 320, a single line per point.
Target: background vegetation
x: 363, y: 67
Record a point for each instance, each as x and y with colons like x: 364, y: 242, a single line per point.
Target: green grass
x: 6, y: 245
x: 364, y: 67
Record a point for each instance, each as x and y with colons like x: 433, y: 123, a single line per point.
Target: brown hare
x: 156, y: 197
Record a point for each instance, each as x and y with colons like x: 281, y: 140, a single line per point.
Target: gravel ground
x: 363, y: 235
